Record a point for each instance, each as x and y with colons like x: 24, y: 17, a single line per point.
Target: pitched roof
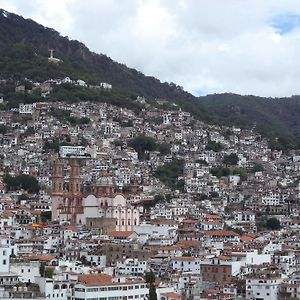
x: 246, y: 238
x: 121, y: 234
x: 164, y: 222
x: 188, y: 244
x: 184, y: 258
x: 41, y: 257
x: 103, y: 279
x: 221, y: 233
x: 95, y: 279
x: 171, y: 295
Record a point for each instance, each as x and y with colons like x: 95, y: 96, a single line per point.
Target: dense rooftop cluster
x: 166, y: 204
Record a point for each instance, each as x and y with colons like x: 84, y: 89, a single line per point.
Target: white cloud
x: 203, y: 45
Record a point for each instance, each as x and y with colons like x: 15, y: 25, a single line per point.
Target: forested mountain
x: 24, y: 46
x: 16, y: 31
x: 273, y: 117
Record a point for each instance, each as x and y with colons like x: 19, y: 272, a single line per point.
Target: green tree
x: 241, y: 172
x: 141, y: 144
x: 119, y: 143
x: 164, y: 148
x: 84, y: 260
x: 3, y: 129
x: 25, y: 182
x: 46, y: 216
x: 45, y: 271
x: 150, y: 277
x: 220, y: 171
x: 42, y: 269
x: 231, y: 159
x: 152, y: 292
x: 22, y: 197
x: 150, y: 280
x: 187, y: 254
x: 49, y: 272
x: 169, y: 173
x: 273, y: 224
x: 214, y: 146
x: 257, y: 168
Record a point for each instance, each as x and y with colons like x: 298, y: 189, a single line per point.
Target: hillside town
x: 99, y: 201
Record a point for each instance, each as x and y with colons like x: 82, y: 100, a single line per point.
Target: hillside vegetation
x: 24, y: 48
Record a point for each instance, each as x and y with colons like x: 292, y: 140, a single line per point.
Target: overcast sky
x: 207, y: 46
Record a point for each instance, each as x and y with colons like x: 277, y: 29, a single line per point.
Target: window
x: 92, y: 289
x: 113, y: 288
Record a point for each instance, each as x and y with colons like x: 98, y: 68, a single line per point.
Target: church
x: 70, y: 204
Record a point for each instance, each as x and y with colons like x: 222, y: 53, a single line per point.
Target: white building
x: 272, y: 199
x: 81, y: 82
x: 4, y: 255
x: 6, y: 249
x: 132, y: 266
x: 26, y: 108
x: 104, y: 287
x: 186, y: 264
x: 27, y: 271
x: 244, y: 216
x: 126, y: 216
x: 106, y: 86
x: 263, y: 288
x: 66, y: 151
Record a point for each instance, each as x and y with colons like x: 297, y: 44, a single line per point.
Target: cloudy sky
x: 206, y: 46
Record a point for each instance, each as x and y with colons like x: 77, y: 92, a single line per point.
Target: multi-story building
x: 104, y: 287
x: 263, y: 288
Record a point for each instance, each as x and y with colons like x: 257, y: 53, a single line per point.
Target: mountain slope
x: 24, y: 48
x: 273, y: 117
x: 15, y: 29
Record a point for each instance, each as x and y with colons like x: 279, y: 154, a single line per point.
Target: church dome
x: 105, y: 181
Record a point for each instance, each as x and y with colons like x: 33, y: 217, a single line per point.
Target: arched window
x: 135, y: 221
x: 128, y: 221
x: 56, y: 287
x: 123, y: 221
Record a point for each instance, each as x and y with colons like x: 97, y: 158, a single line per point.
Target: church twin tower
x: 58, y: 184
x: 66, y: 198
x: 70, y: 204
